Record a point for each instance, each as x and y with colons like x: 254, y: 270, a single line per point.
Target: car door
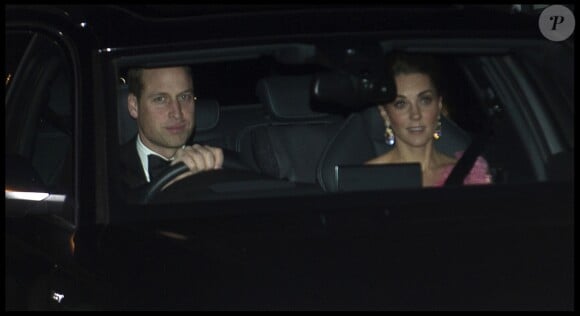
x: 41, y: 195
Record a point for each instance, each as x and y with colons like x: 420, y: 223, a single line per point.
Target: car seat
x: 289, y: 146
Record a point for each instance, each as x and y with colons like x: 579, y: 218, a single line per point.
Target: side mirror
x: 25, y: 192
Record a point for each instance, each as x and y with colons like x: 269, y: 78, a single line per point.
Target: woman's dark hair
x: 408, y: 63
x: 135, y: 82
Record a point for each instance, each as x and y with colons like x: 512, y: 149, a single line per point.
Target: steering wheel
x: 232, y: 161
x: 165, y: 177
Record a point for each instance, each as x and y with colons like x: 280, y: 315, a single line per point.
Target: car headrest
x: 207, y: 113
x: 287, y: 97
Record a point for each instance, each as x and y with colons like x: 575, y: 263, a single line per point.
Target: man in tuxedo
x: 162, y: 102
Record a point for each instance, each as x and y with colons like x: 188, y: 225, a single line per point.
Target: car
x: 293, y: 221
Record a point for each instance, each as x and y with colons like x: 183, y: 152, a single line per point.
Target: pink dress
x: 479, y: 173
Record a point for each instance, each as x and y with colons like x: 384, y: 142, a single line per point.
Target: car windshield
x: 302, y: 118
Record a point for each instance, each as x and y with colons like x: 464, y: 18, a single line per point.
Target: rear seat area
x: 290, y: 143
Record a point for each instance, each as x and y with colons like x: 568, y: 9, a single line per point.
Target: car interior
x: 265, y: 113
x: 290, y: 144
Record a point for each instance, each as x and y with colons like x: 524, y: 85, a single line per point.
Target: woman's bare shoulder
x: 445, y: 160
x: 382, y: 159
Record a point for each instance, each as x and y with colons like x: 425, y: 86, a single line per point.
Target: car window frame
x: 457, y: 46
x: 62, y: 207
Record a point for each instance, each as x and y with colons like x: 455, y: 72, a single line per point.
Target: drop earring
x: 437, y: 133
x: 389, y: 135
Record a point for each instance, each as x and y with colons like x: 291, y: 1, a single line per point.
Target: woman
x: 412, y: 124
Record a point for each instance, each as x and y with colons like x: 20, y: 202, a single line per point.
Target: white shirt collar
x: 143, y: 151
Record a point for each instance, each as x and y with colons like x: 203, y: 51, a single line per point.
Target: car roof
x: 133, y: 26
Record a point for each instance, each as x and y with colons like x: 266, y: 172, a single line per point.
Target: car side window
x: 16, y: 44
x: 39, y: 107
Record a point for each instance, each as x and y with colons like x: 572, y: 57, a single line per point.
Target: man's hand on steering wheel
x: 223, y: 160
x: 198, y: 158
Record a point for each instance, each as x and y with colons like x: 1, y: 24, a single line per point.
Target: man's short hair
x: 135, y: 75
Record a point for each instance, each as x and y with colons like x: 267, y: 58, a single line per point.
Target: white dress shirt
x: 143, y: 151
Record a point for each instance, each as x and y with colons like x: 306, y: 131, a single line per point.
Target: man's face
x: 165, y: 110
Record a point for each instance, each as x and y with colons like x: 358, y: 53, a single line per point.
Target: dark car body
x: 506, y: 246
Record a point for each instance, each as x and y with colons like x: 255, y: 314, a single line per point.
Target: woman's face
x: 413, y: 115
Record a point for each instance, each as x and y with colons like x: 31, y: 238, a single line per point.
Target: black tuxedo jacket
x: 131, y: 169
x: 132, y: 174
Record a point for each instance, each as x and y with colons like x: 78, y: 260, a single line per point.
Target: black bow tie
x: 156, y: 166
